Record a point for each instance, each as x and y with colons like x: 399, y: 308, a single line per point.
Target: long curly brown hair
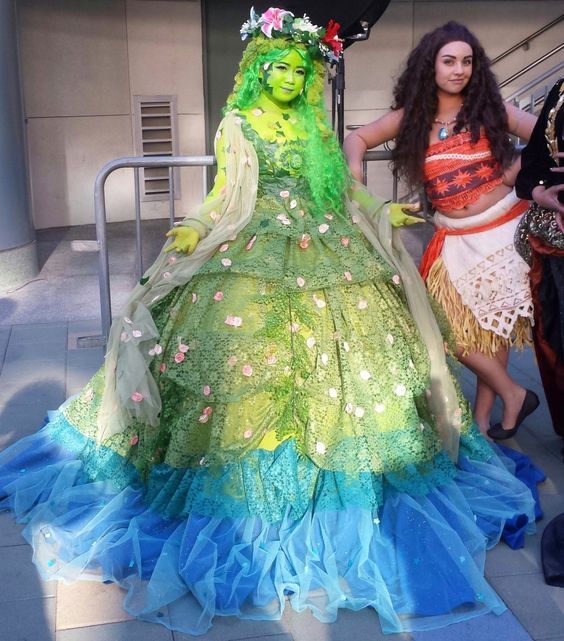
x: 415, y: 92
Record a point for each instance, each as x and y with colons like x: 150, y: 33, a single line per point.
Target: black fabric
x: 551, y: 298
x: 552, y: 552
x: 535, y: 161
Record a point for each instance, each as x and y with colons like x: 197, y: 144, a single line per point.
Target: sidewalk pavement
x: 41, y: 365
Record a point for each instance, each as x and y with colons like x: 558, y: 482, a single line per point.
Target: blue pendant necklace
x: 445, y: 131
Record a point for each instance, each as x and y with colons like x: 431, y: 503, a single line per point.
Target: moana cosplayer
x: 276, y: 423
x: 450, y: 127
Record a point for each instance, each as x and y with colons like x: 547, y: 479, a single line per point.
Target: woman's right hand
x: 185, y: 239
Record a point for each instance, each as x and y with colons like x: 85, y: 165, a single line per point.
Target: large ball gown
x: 262, y: 431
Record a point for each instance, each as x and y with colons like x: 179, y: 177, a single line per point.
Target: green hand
x: 185, y: 239
x: 399, y: 216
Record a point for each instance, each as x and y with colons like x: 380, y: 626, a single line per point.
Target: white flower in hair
x: 304, y: 24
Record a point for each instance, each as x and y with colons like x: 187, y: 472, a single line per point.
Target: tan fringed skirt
x: 469, y: 335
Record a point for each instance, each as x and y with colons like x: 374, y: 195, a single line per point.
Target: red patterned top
x: 458, y: 172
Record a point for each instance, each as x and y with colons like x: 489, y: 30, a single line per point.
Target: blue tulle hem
x: 416, y: 558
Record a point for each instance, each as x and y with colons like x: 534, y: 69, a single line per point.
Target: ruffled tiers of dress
x: 411, y: 546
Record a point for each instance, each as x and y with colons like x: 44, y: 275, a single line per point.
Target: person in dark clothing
x: 540, y: 240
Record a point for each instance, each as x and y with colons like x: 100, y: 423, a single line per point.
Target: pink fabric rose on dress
x: 234, y: 321
x: 304, y: 242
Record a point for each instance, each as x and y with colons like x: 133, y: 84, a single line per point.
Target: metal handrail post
x: 171, y: 213
x: 134, y: 162
x: 204, y: 182
x: 103, y: 261
x: 139, y: 256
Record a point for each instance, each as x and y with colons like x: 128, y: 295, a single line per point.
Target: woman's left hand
x: 185, y: 239
x: 399, y: 216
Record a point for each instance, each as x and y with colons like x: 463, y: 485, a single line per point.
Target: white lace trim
x: 496, y: 290
x: 459, y: 156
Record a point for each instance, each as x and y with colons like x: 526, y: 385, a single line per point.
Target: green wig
x: 325, y: 168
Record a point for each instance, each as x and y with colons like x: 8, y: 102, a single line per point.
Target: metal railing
x: 536, y: 90
x: 100, y: 217
x: 135, y: 163
x: 535, y: 97
x: 526, y: 41
x: 531, y: 65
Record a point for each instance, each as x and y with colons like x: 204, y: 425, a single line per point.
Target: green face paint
x: 284, y: 79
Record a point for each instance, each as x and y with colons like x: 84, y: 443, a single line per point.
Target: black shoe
x: 530, y: 404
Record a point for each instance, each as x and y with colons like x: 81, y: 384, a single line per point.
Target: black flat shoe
x: 530, y: 404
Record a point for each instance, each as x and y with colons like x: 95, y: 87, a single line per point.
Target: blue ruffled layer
x: 417, y: 558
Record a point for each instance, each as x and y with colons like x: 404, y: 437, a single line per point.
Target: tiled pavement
x: 40, y: 366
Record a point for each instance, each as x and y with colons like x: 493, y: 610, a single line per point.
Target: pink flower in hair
x: 273, y: 19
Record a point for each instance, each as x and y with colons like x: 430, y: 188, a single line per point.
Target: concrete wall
x: 83, y: 60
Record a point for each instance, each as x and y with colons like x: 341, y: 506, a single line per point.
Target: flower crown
x: 279, y: 23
